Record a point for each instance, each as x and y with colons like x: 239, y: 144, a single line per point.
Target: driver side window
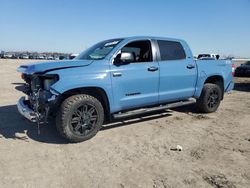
x: 141, y: 51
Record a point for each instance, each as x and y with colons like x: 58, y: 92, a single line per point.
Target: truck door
x: 178, y: 72
x: 135, y: 83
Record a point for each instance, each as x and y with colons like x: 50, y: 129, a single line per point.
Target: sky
x: 70, y: 26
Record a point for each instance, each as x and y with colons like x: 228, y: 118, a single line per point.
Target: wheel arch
x: 96, y: 92
x: 216, y: 79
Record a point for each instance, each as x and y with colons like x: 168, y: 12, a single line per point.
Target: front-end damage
x: 40, y: 97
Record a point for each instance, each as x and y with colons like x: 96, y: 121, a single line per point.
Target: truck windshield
x: 99, y: 50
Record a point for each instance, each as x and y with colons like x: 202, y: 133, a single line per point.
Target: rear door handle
x: 190, y: 66
x: 152, y: 69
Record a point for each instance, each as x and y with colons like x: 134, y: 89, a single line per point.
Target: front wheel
x: 80, y: 117
x: 210, y: 98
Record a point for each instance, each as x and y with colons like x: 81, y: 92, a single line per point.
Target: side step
x: 157, y: 108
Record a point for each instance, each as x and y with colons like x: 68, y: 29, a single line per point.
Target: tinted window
x: 171, y: 50
x: 140, y: 49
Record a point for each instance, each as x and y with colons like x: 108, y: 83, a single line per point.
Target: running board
x: 157, y: 108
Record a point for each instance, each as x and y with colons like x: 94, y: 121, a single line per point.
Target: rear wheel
x: 80, y: 117
x: 210, y: 98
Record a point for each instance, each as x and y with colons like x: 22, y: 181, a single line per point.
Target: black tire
x: 79, y: 118
x: 210, y: 98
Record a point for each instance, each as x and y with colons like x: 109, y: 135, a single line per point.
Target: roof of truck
x: 152, y: 37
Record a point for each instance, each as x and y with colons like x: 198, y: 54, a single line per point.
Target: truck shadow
x: 14, y: 126
x: 186, y: 109
x: 136, y: 119
x: 242, y: 86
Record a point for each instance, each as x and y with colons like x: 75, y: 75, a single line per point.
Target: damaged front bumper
x: 25, y: 111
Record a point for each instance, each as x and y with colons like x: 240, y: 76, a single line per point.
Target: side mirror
x: 124, y: 58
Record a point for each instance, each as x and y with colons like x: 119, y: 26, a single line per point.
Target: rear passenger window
x: 171, y: 50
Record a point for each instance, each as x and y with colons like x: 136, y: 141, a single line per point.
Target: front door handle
x: 190, y: 66
x: 117, y: 74
x: 152, y: 69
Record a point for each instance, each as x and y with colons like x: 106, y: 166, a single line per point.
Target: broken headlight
x: 48, y: 80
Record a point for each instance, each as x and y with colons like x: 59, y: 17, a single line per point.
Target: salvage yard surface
x: 133, y: 153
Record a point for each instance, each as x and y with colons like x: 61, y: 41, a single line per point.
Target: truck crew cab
x: 119, y: 78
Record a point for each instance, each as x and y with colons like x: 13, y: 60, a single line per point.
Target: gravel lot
x: 133, y: 153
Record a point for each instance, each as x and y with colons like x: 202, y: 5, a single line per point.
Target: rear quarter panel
x: 208, y: 68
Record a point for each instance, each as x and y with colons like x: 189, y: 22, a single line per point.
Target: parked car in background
x: 63, y: 57
x: 2, y: 54
x: 56, y: 57
x: 208, y: 56
x: 24, y: 56
x: 15, y: 56
x: 72, y: 56
x: 49, y: 57
x: 40, y: 57
x: 119, y: 78
x: 243, y: 70
x: 8, y: 56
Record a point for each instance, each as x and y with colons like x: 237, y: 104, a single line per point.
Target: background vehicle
x: 243, y: 70
x: 8, y: 56
x: 208, y: 56
x: 2, y: 54
x: 119, y: 78
x: 50, y: 57
x: 24, y: 56
x: 56, y: 57
x: 40, y: 57
x: 72, y: 56
x: 62, y: 57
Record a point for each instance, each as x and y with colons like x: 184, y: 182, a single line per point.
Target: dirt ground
x: 133, y: 153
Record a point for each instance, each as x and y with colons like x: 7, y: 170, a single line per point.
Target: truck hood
x: 44, y: 67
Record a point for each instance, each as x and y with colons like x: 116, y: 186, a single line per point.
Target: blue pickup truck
x: 119, y: 78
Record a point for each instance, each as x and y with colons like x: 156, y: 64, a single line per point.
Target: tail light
x: 233, y: 69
